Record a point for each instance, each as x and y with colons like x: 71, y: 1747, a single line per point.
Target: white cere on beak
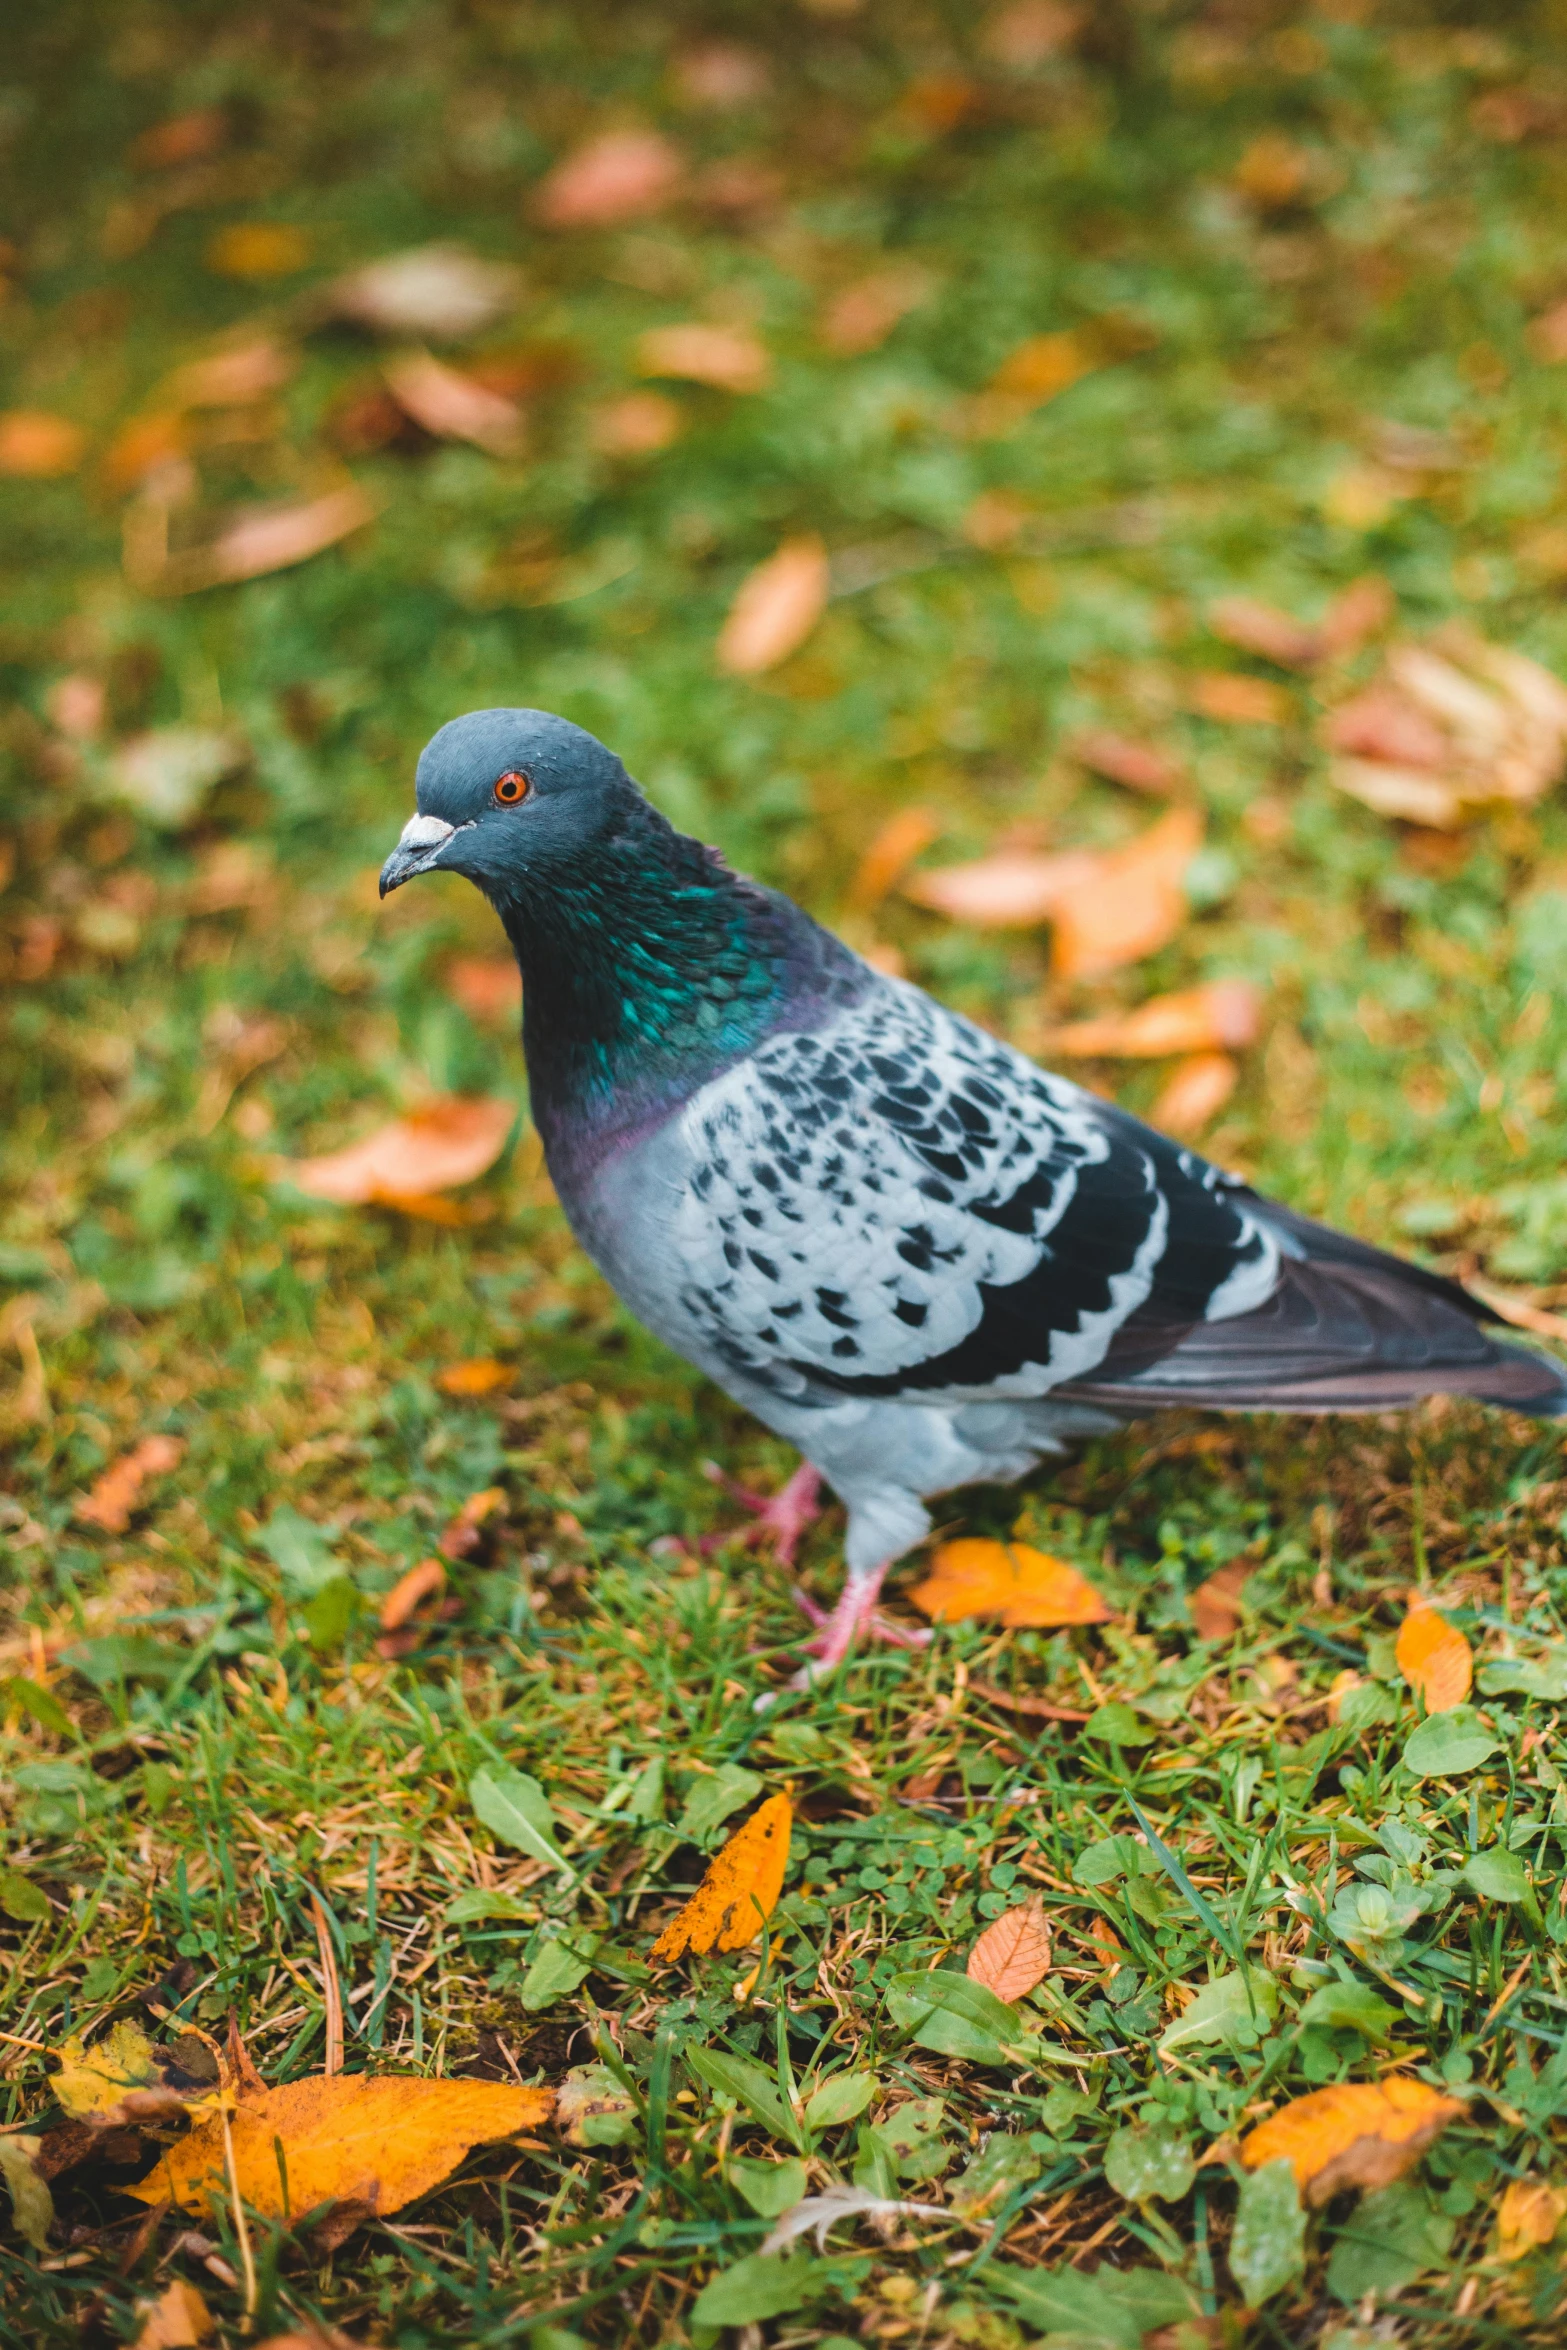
x: 425, y: 832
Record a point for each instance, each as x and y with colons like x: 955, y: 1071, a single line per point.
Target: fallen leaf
x: 1009, y: 891
x: 1138, y: 765
x: 1447, y: 729
x: 1216, y: 1603
x: 178, y: 2320
x: 896, y: 845
x: 184, y: 138
x: 1013, y: 1953
x: 839, y: 2201
x: 621, y: 175
x: 1548, y: 333
x: 1030, y: 32
x: 465, y: 1533
x: 1221, y: 1013
x: 638, y: 424
x: 1233, y: 700
x: 451, y: 406
x: 258, y: 540
x: 1040, y: 368
x: 380, y: 2142
x: 976, y: 1576
x: 1134, y: 903
x: 35, y: 445
x: 740, y: 1890
x: 775, y: 608
x: 146, y: 446
x: 1434, y: 1658
x: 449, y: 1142
x: 1264, y: 629
x: 425, y: 1581
x: 862, y: 315
x: 166, y: 774
x: 1522, y: 1312
x: 1529, y: 2214
x: 488, y: 987
x: 78, y: 704
x: 1363, y: 608
x: 1356, y: 2134
x: 592, y: 2109
x: 118, y: 1491
x: 258, y: 248
x: 480, y: 1375
x: 32, y: 2205
x: 728, y: 357
x: 722, y: 74
x: 1273, y: 172
x: 1194, y: 1093
x: 441, y: 291
x: 234, y: 378
x: 124, y: 2078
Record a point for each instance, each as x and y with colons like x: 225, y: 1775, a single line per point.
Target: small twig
x: 1505, y: 1993
x: 1018, y: 1704
x: 332, y: 1991
x: 17, y: 2041
x: 241, y: 2227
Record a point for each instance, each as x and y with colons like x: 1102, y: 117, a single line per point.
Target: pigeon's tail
x: 1347, y: 1328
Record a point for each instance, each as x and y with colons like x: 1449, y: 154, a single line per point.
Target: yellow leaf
x: 1135, y: 904
x: 1013, y: 1953
x: 93, y: 2083
x: 1223, y: 1013
x: 1356, y: 2134
x: 1528, y: 2216
x: 480, y: 1375
x: 258, y: 248
x: 1195, y: 1091
x: 777, y: 606
x: 346, y: 2138
x: 979, y: 1577
x: 730, y: 358
x: 736, y: 1897
x: 178, y: 2320
x: 1434, y: 1658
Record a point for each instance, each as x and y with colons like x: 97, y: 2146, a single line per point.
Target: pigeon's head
x: 505, y: 798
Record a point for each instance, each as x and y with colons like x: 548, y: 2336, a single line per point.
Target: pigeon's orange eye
x: 512, y: 787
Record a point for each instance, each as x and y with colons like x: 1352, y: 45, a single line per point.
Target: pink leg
x: 783, y: 1519
x: 855, y: 1618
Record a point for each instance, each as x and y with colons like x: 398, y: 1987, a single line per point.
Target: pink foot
x: 781, y: 1520
x: 875, y: 1626
x: 855, y: 1618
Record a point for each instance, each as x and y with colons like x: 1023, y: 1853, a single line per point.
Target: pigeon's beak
x: 423, y: 838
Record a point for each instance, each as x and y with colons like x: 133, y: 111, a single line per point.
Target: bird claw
x: 781, y: 1519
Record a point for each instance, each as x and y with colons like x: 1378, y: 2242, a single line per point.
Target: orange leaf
x: 234, y: 378
x: 1239, y: 701
x: 1434, y: 1658
x: 728, y: 357
x: 1196, y: 1020
x: 488, y: 987
x: 1365, y: 606
x: 897, y: 843
x: 462, y: 1536
x: 1138, y: 765
x: 345, y: 2138
x: 638, y: 424
x: 978, y: 1577
x: 1196, y: 1090
x: 1216, y: 1604
x: 480, y: 1375
x: 258, y: 248
x: 451, y: 406
x: 862, y: 315
x: 1528, y: 2216
x: 449, y: 1142
x: 178, y: 2320
x: 1357, y: 2134
x: 728, y: 1909
x: 425, y: 1581
x: 185, y: 138
x: 1013, y: 1953
x: 1041, y: 367
x: 1134, y: 903
x: 622, y: 175
x: 1009, y: 891
x: 34, y: 444
x: 776, y: 608
x: 1264, y: 629
x: 118, y: 1490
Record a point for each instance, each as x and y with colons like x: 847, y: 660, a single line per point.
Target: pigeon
x: 917, y: 1256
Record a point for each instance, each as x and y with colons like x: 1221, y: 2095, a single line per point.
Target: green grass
x: 219, y: 1739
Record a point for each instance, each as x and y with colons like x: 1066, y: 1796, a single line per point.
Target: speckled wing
x: 901, y: 1204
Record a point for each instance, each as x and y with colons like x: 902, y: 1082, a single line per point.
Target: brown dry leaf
x: 1233, y: 700
x: 1273, y: 173
x: 862, y: 315
x: 346, y: 2138
x: 1434, y: 1657
x: 118, y: 1491
x: 740, y: 1891
x: 775, y: 609
x: 1009, y: 891
x: 480, y: 1375
x: 1548, y: 333
x: 35, y: 445
x: 1134, y: 903
x: 1264, y: 629
x: 178, y: 2320
x: 638, y: 424
x: 184, y: 138
x: 464, y: 1535
x: 1029, y: 32
x: 449, y: 1142
x: 1138, y: 765
x: 1364, y: 607
x: 425, y: 1581
x: 1522, y: 1312
x: 488, y: 987
x: 1357, y: 2134
x: 1013, y: 1953
x: 451, y: 406
x: 1449, y: 728
x: 1529, y: 2214
x: 257, y: 540
x: 258, y: 249
x: 730, y: 358
x: 235, y: 378
x: 896, y: 845
x: 722, y: 74
x: 1223, y: 1013
x: 976, y: 1576
x: 441, y: 291
x: 1194, y: 1093
x: 621, y: 175
x: 1216, y: 1604
x: 1040, y: 368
